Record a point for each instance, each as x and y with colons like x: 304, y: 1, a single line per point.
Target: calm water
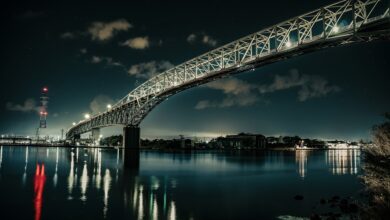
x: 92, y: 183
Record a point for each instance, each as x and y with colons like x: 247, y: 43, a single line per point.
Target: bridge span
x: 341, y: 23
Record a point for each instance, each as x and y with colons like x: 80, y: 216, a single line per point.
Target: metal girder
x: 337, y: 24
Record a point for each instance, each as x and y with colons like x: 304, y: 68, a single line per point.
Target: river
x: 93, y: 183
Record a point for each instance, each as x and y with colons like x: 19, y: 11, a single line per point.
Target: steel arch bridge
x: 341, y: 23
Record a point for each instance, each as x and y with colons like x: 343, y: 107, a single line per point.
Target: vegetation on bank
x: 377, y: 173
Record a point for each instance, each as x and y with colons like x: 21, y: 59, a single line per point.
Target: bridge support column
x: 75, y: 138
x: 131, y: 137
x: 95, y: 135
x: 131, y: 145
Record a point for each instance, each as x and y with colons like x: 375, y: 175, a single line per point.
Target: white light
x: 74, y: 123
x: 87, y: 116
x: 109, y: 106
x: 288, y: 44
x: 335, y: 29
x: 100, y: 136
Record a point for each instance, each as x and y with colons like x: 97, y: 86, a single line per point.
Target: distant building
x: 272, y: 140
x: 242, y: 141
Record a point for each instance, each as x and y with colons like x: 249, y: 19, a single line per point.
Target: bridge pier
x: 131, y: 137
x: 75, y: 138
x: 131, y: 145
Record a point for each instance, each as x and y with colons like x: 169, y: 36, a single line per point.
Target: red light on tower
x: 45, y: 89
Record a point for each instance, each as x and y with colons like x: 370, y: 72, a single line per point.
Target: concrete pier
x: 131, y: 137
x: 131, y: 145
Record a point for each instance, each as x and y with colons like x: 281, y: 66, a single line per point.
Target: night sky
x: 91, y: 54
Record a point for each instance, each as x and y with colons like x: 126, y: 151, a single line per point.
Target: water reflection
x: 147, y: 199
x: 106, y: 186
x: 115, y: 184
x: 84, y: 182
x: 39, y: 184
x: 1, y: 156
x: 301, y: 160
x: 343, y: 161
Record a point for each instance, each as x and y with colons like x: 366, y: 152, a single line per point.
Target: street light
x: 335, y: 29
x: 74, y: 123
x: 288, y: 44
x: 87, y: 116
x: 109, y: 106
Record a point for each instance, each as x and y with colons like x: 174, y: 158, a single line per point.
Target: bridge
x: 341, y: 23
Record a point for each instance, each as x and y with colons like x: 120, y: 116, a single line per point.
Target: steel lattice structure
x: 344, y: 22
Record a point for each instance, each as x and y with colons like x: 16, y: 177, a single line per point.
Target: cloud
x: 309, y: 86
x: 209, y: 41
x: 191, y: 38
x: 139, y: 43
x: 107, y: 60
x: 83, y: 50
x: 68, y: 35
x: 99, y: 103
x: 204, y: 38
x: 238, y: 93
x: 318, y: 87
x: 102, y: 31
x: 96, y: 59
x: 149, y: 69
x: 28, y: 106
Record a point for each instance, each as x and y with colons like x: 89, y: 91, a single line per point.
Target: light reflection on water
x: 343, y: 161
x: 246, y: 185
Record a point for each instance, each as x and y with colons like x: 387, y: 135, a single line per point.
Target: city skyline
x: 95, y: 57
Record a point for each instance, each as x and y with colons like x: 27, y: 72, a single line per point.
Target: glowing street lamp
x: 109, y: 106
x: 74, y: 123
x: 335, y: 29
x: 87, y: 116
x: 288, y: 44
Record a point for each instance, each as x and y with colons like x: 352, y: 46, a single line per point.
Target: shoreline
x: 179, y: 149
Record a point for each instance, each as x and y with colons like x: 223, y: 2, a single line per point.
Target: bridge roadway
x: 341, y: 23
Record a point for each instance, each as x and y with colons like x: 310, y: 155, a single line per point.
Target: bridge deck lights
x: 87, y: 116
x: 335, y: 29
x: 288, y: 44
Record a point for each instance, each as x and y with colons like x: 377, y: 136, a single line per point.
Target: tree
x: 381, y: 139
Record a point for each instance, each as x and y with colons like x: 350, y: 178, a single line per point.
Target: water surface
x: 93, y: 183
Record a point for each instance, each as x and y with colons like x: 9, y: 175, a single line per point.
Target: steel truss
x: 343, y: 22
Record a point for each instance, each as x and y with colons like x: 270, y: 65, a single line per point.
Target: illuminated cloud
x: 238, y: 93
x: 204, y: 38
x: 149, y: 69
x: 99, y: 103
x: 68, y: 35
x: 107, y: 60
x: 310, y: 86
x: 102, y: 31
x: 241, y: 93
x: 209, y: 41
x: 191, y: 38
x: 83, y: 50
x: 28, y: 106
x: 139, y: 43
